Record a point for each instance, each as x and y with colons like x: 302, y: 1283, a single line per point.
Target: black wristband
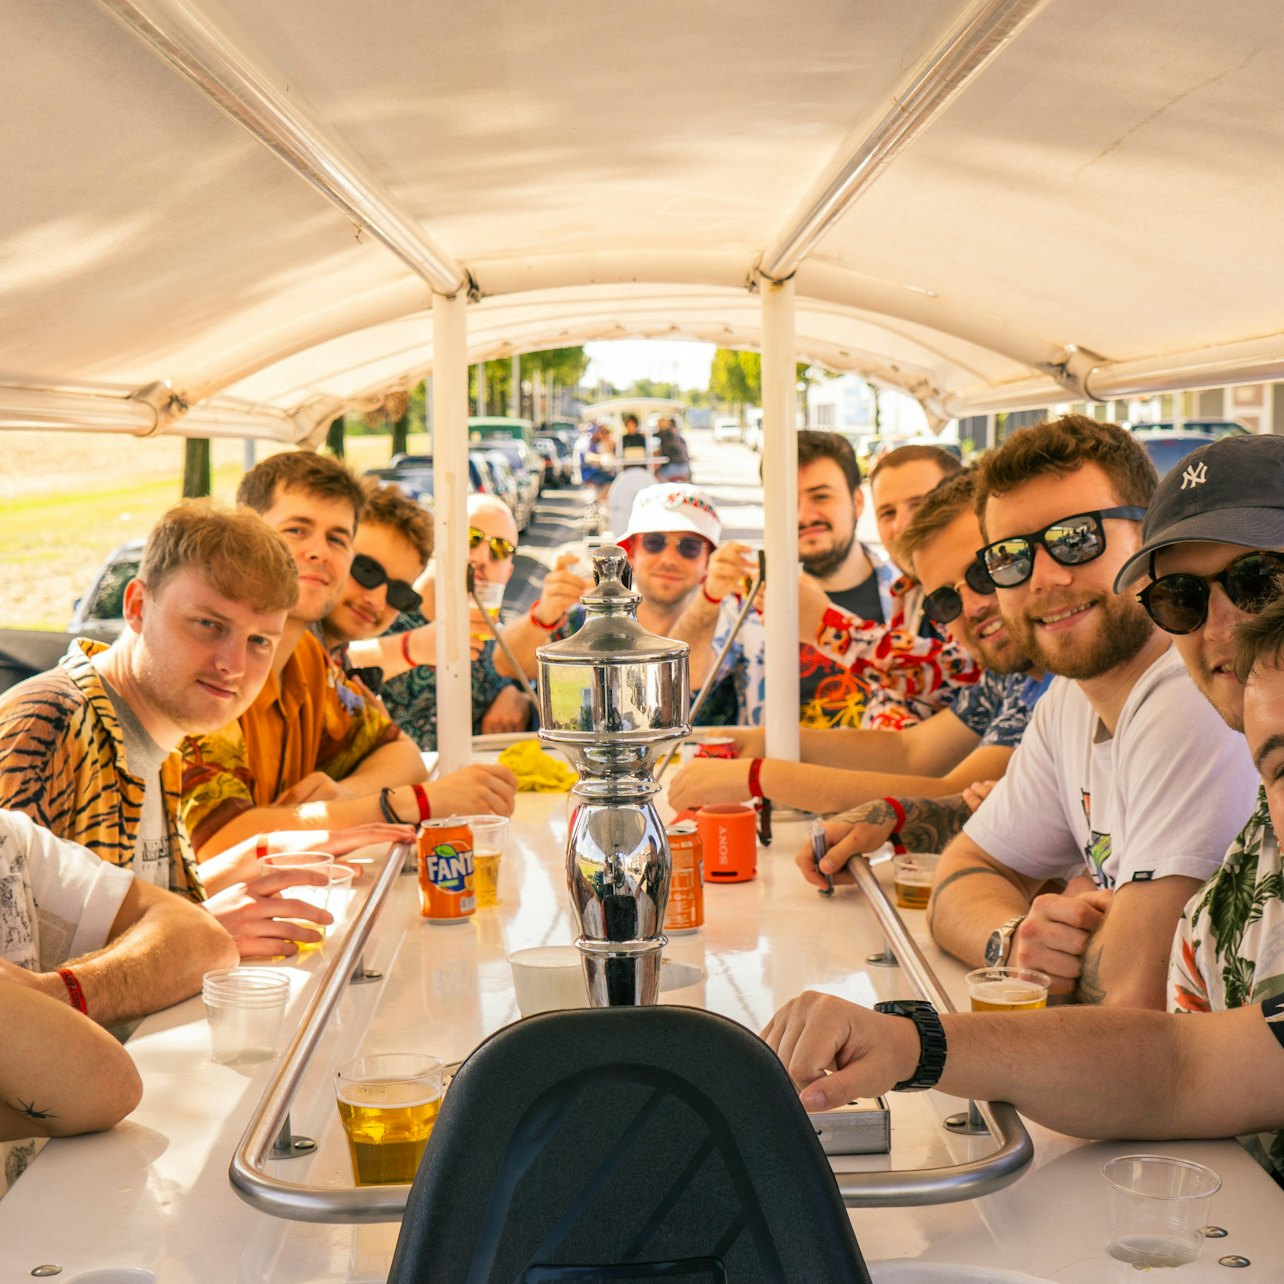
x: 386, y: 809
x: 1273, y: 1011
x: 931, y: 1042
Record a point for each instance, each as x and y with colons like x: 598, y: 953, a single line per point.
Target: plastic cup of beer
x: 317, y: 894
x: 490, y: 839
x: 912, y: 879
x: 245, y: 1007
x: 1008, y: 989
x: 1158, y: 1208
x: 388, y: 1104
x: 491, y: 596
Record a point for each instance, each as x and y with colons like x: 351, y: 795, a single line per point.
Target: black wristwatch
x: 931, y: 1042
x: 999, y: 946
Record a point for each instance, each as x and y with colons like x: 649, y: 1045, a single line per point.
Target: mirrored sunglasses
x: 946, y: 603
x: 688, y: 546
x: 370, y: 574
x: 1178, y: 603
x: 500, y: 549
x: 1072, y: 541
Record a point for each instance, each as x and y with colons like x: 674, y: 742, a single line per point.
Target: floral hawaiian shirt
x: 1229, y: 946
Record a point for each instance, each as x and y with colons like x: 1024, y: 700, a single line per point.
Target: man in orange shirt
x: 314, y: 751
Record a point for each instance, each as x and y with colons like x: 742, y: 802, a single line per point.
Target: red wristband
x: 755, y: 784
x: 261, y: 846
x: 74, y: 993
x: 900, y: 813
x: 539, y: 624
x: 405, y: 650
x: 895, y: 838
x: 715, y: 601
x: 421, y: 800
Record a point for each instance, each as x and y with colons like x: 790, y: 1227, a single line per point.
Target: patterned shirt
x: 411, y: 697
x: 872, y: 674
x: 63, y: 763
x: 310, y: 718
x: 998, y: 706
x: 1228, y: 951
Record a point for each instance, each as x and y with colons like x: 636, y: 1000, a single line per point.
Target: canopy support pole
x: 450, y: 530
x: 780, y: 514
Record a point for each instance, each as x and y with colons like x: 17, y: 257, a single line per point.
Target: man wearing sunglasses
x: 314, y: 751
x: 499, y: 704
x: 1125, y: 775
x: 672, y: 529
x: 935, y: 758
x: 1212, y: 556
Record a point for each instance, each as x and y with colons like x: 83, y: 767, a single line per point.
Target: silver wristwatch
x: 999, y: 946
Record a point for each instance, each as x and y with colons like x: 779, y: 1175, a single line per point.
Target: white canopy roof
x: 233, y: 217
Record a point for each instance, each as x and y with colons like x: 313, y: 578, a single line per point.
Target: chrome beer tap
x: 611, y: 697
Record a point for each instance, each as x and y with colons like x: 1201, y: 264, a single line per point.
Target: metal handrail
x: 295, y: 1200
x: 967, y: 1180
x: 301, y: 1202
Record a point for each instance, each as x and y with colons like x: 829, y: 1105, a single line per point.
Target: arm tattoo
x: 1089, y: 989
x: 930, y: 823
x: 945, y: 882
x: 30, y: 1109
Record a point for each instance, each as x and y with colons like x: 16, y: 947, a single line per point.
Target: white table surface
x: 151, y: 1200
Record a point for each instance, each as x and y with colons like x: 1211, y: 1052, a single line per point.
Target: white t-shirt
x: 1165, y: 795
x: 57, y: 901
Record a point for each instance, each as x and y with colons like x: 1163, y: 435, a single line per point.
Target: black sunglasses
x: 946, y: 603
x: 1178, y: 603
x: 688, y: 546
x: 1072, y: 541
x: 370, y: 574
x: 500, y: 549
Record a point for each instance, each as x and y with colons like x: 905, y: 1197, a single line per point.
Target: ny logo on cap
x: 1194, y: 475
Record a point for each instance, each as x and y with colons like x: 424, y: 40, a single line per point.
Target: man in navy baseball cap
x: 1211, y: 546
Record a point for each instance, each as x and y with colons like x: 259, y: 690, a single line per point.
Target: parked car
x: 526, y: 464
x: 100, y: 611
x: 414, y: 474
x: 557, y: 461
x: 727, y: 430
x: 1168, y: 447
x: 483, y: 428
x: 509, y: 489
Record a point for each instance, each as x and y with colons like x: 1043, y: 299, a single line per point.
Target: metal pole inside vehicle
x: 450, y: 529
x: 780, y: 517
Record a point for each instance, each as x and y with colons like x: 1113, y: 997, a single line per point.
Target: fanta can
x: 446, y: 871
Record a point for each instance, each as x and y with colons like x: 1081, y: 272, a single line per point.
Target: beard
x: 823, y: 565
x: 1122, y: 629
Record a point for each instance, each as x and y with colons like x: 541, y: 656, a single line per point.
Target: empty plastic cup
x: 1158, y: 1208
x: 245, y: 1007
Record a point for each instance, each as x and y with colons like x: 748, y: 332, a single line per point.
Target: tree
x: 735, y: 377
x: 196, y: 467
x: 565, y: 365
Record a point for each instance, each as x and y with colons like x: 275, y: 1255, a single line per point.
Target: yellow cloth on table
x: 537, y: 771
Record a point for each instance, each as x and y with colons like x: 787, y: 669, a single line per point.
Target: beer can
x: 716, y: 747
x: 446, y: 871
x: 686, y: 886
